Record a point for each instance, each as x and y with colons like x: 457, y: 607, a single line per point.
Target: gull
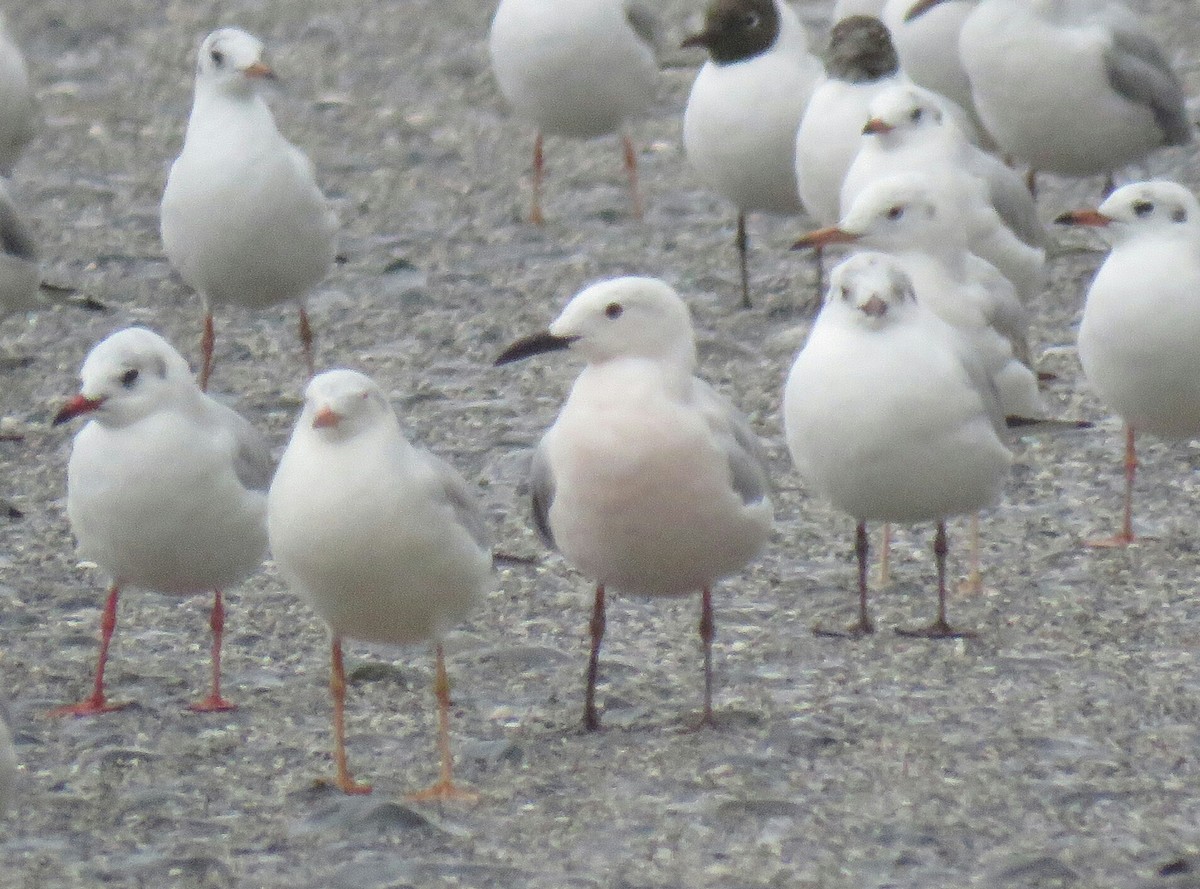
x: 576, y: 68
x: 1141, y: 319
x: 739, y: 126
x: 648, y: 481
x: 909, y: 130
x: 1073, y: 87
x: 242, y: 219
x: 845, y: 8
x: 166, y: 488
x: 18, y: 110
x: 860, y: 62
x: 891, y: 417
x: 8, y: 762
x: 383, y: 539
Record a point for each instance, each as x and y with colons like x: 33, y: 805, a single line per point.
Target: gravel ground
x: 1059, y: 748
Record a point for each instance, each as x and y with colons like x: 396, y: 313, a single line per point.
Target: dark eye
x: 613, y: 310
x: 1143, y: 208
x: 217, y: 56
x: 895, y: 213
x: 129, y: 377
x: 845, y: 293
x: 751, y: 20
x: 1180, y: 215
x: 917, y: 114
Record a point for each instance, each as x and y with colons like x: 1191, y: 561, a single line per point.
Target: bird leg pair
x: 208, y: 340
x: 539, y: 172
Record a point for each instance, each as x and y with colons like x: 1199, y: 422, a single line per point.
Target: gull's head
x: 860, y: 50
x: 904, y: 109
x: 128, y: 376
x: 902, y: 212
x: 870, y: 289
x: 619, y: 318
x: 736, y: 30
x: 339, y: 404
x: 232, y: 60
x: 1160, y: 207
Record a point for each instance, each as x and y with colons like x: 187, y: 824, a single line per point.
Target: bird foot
x: 444, y: 790
x: 972, y: 585
x: 854, y: 631
x: 939, y: 629
x: 1117, y: 541
x: 214, y: 703
x: 88, y: 707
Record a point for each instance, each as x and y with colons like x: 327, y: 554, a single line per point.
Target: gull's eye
x: 916, y: 115
x: 613, y: 310
x: 129, y: 377
x: 845, y: 293
x: 751, y: 20
x: 217, y: 56
x: 1143, y: 208
x: 895, y: 213
x: 1180, y: 215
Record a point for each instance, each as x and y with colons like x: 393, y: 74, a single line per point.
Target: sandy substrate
x: 1059, y: 748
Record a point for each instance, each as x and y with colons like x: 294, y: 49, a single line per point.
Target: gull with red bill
x: 1141, y: 319
x: 242, y: 218
x: 166, y: 488
x: 648, y: 481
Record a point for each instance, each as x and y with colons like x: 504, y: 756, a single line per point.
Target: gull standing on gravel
x: 166, y: 488
x: 739, y: 126
x: 20, y: 268
x: 891, y: 418
x: 576, y: 68
x: 18, y: 110
x: 243, y: 220
x: 1141, y: 322
x: 648, y: 481
x: 910, y: 130
x: 1073, y: 87
x: 384, y: 539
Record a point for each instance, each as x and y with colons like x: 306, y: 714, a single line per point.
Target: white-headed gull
x: 18, y: 109
x: 384, y: 539
x: 739, y: 126
x: 890, y: 417
x: 1073, y: 87
x: 576, y: 68
x: 243, y: 220
x: 166, y: 488
x: 911, y: 130
x: 648, y: 481
x: 1141, y: 322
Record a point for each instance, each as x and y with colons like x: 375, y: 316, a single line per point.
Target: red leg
x: 1124, y: 537
x: 635, y: 197
x: 445, y: 788
x: 864, y: 626
x: 539, y: 170
x: 743, y: 248
x: 337, y: 687
x: 306, y: 341
x: 973, y: 584
x: 591, y: 721
x: 214, y: 703
x: 207, y: 340
x: 940, y: 628
x: 97, y: 703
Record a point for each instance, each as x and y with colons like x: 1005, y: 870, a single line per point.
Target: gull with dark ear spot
x: 1141, y: 320
x: 739, y: 126
x: 1077, y: 89
x: 890, y: 416
x: 166, y: 488
x: 384, y: 539
x: 243, y: 220
x: 576, y: 68
x: 648, y: 481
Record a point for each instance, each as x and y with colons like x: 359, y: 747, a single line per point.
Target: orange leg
x: 214, y: 703
x: 97, y: 703
x: 207, y: 340
x: 539, y: 170
x: 591, y: 721
x: 940, y: 628
x: 635, y: 197
x: 337, y: 687
x: 445, y: 788
x: 1124, y: 537
x: 864, y: 626
x: 306, y: 341
x: 885, y: 556
x: 973, y: 584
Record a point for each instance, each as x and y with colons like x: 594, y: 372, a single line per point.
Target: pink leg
x: 1124, y: 537
x: 707, y: 634
x: 445, y: 788
x: 539, y: 170
x: 306, y: 341
x: 974, y: 580
x: 337, y: 686
x: 214, y: 703
x: 635, y: 197
x: 885, y: 555
x: 590, y: 720
x: 97, y: 703
x: 207, y: 340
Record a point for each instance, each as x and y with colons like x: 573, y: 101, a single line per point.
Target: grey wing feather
x: 461, y: 499
x: 252, y: 460
x: 15, y: 236
x: 1138, y: 71
x: 541, y: 495
x: 1013, y: 202
x: 747, y: 460
x: 980, y: 379
x: 644, y: 23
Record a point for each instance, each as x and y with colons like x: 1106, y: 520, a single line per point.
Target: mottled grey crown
x: 860, y: 50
